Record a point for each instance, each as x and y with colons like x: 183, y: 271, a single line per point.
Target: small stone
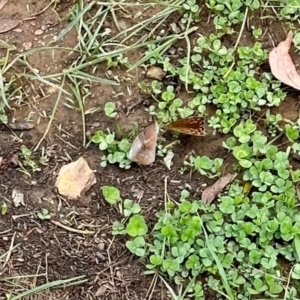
x: 51, y: 90
x: 75, y: 178
x: 27, y: 45
x: 162, y: 32
x: 20, y: 259
x: 175, y: 28
x: 38, y: 32
x: 101, y: 246
x: 155, y: 73
x: 19, y: 30
x: 44, y: 27
x: 35, y: 70
x: 119, y: 274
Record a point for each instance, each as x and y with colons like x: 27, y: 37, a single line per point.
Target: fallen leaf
x: 75, y: 178
x: 168, y: 159
x: 282, y: 66
x: 210, y: 193
x: 3, y: 3
x: 247, y: 188
x: 38, y: 32
x: 143, y: 149
x: 8, y: 24
x: 21, y: 126
x: 101, y: 291
x: 18, y: 198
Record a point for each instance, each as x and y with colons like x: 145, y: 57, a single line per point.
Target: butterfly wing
x: 192, y: 126
x: 143, y: 149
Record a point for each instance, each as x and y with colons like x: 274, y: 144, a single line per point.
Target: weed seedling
x: 27, y: 160
x: 3, y: 208
x: 117, y: 150
x: 110, y: 109
x: 44, y: 214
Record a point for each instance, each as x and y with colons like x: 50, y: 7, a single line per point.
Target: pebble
x: 155, y: 73
x: 51, y: 90
x: 101, y: 246
x: 44, y: 27
x: 20, y: 259
x: 38, y: 32
x: 35, y: 70
x: 27, y: 45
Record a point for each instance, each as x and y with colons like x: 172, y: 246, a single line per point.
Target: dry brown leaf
x: 168, y: 159
x: 8, y: 24
x: 282, y: 66
x: 101, y: 291
x: 75, y: 178
x: 3, y: 3
x: 21, y: 126
x: 18, y: 198
x: 143, y: 149
x: 211, y: 192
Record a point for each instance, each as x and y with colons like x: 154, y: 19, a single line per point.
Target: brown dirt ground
x: 52, y: 252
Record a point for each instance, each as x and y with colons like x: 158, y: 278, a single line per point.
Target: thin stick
x: 71, y: 229
x: 242, y: 29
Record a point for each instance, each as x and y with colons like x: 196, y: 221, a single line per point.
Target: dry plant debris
x: 282, y: 65
x: 211, y: 192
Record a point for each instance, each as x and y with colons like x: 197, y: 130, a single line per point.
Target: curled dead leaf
x: 168, y: 159
x: 3, y: 3
x: 101, y: 291
x: 21, y: 126
x: 282, y: 66
x: 211, y: 192
x: 8, y: 24
x: 18, y: 198
x: 143, y: 149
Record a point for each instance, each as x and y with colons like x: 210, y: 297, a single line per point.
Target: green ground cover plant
x: 233, y: 246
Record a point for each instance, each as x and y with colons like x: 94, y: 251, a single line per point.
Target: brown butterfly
x: 143, y: 149
x: 192, y: 125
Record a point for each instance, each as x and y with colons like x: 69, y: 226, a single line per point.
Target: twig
x: 71, y: 229
x: 242, y: 29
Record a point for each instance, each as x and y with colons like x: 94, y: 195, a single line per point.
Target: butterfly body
x: 192, y: 126
x: 143, y: 149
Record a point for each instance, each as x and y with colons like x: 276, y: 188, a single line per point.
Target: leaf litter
x: 211, y: 192
x: 2, y: 3
x: 281, y: 63
x: 8, y: 24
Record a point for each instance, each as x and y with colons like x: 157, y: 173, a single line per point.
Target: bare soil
x: 46, y: 251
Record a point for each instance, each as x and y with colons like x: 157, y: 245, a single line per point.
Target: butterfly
x: 143, y: 149
x: 192, y: 126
